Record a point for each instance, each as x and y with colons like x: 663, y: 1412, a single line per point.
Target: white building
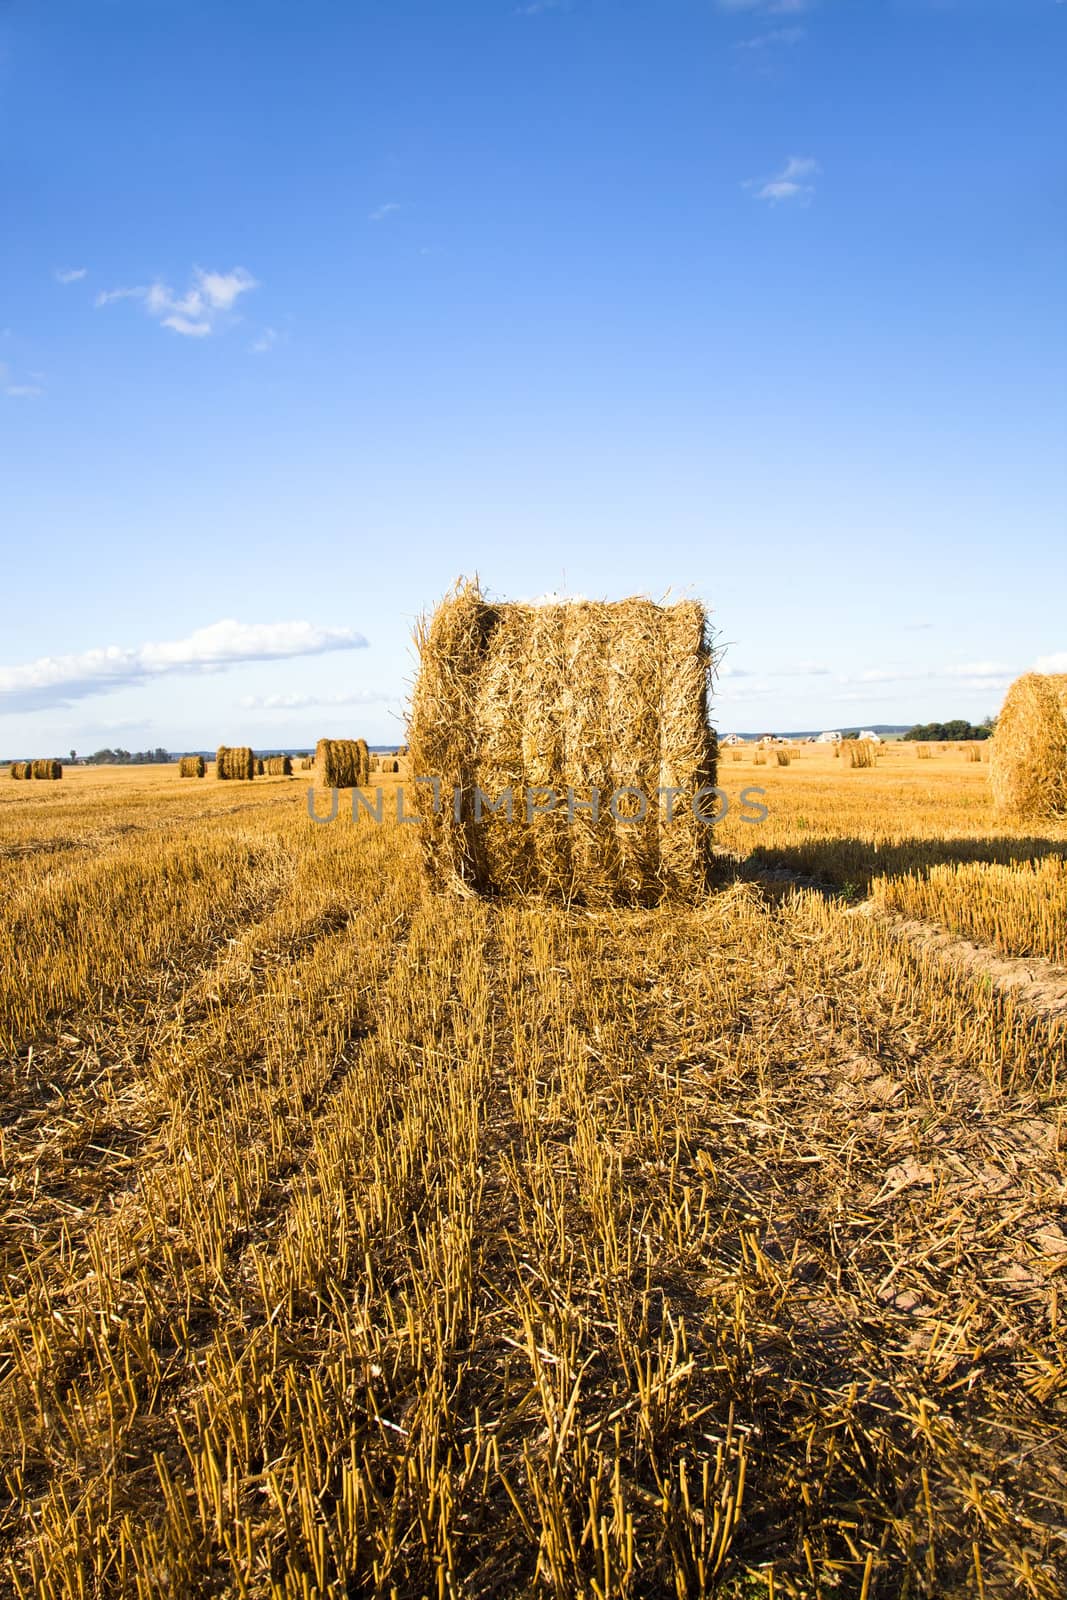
x: 868, y: 733
x: 731, y: 738
x: 828, y: 738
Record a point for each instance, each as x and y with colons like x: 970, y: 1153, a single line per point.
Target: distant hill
x: 886, y: 729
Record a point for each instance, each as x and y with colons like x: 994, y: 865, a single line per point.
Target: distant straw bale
x: 45, y: 769
x: 306, y: 763
x: 860, y: 752
x: 22, y: 769
x: 191, y: 767
x: 342, y: 763
x: 279, y: 766
x: 1028, y: 763
x: 551, y: 702
x: 235, y: 761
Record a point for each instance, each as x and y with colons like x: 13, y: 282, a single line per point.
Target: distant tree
x: 948, y: 732
x: 122, y: 758
x: 74, y: 755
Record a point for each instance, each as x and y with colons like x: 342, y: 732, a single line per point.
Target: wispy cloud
x: 976, y: 674
x: 792, y: 183
x: 198, y: 312
x: 300, y: 702
x: 767, y: 7
x: 19, y: 390
x: 70, y: 274
x: 107, y: 296
x: 981, y: 670
x: 1057, y: 662
x: 799, y: 669
x: 770, y: 8
x: 264, y: 342
x: 58, y: 680
x: 771, y: 38
x: 386, y: 210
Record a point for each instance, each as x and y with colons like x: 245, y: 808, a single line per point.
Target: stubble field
x: 361, y: 1241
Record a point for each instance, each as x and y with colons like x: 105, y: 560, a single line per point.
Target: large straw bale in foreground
x: 342, y: 763
x: 235, y: 761
x: 191, y: 767
x: 1028, y: 763
x: 564, y: 697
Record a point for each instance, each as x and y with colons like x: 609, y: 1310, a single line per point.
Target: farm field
x: 364, y: 1241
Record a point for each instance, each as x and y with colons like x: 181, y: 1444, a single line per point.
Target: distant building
x: 868, y: 733
x: 828, y: 738
x: 731, y: 738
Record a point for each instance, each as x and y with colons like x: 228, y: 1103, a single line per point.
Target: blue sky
x: 307, y: 310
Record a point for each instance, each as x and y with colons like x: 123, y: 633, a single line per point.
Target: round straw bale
x: 191, y: 767
x: 45, y: 769
x: 1028, y: 763
x: 342, y: 763
x: 550, y: 702
x: 235, y: 761
x: 279, y: 766
x: 860, y: 752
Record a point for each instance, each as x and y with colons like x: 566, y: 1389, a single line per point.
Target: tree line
x: 124, y: 758
x: 945, y: 732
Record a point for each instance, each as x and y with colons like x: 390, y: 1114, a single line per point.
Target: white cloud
x: 980, y: 669
x: 106, y: 296
x: 886, y: 675
x: 1057, y: 662
x: 772, y: 8
x: 20, y: 391
x: 221, y: 289
x: 70, y: 274
x: 792, y: 183
x: 266, y: 341
x: 197, y: 312
x: 772, y: 37
x: 192, y: 330
x: 57, y: 680
x: 748, y: 691
x: 802, y: 669
x: 384, y: 211
x: 972, y: 673
x: 299, y: 702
